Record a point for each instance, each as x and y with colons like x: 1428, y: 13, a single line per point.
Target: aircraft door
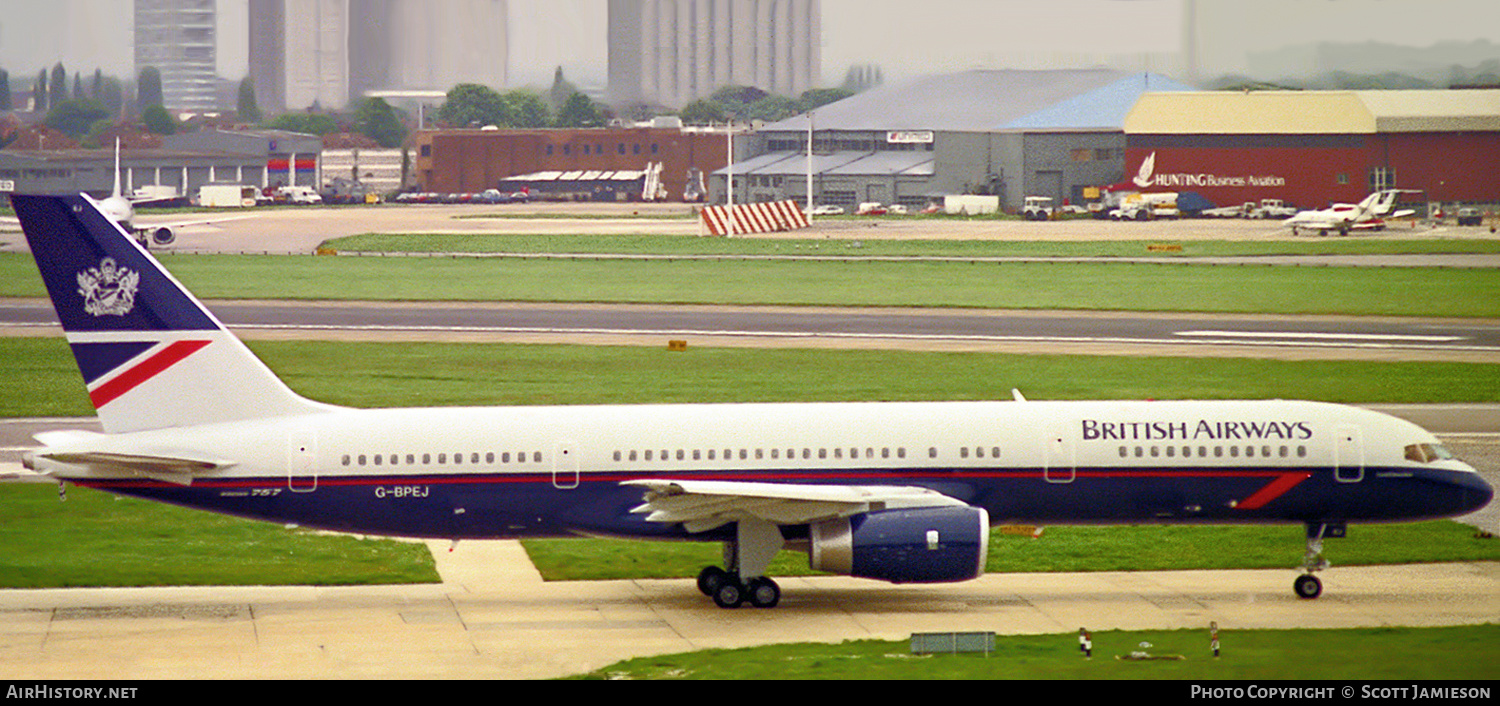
x: 1059, y: 462
x: 1348, y: 455
x: 564, y: 467
x: 302, y: 461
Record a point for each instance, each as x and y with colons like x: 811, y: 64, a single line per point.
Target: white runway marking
x: 1321, y: 336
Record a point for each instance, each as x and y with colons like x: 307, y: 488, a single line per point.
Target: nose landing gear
x: 1308, y: 586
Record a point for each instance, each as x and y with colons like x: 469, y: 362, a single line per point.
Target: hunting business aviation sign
x: 1147, y: 178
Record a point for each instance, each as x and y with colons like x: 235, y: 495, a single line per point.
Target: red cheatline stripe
x: 833, y: 475
x: 143, y: 371
x: 1273, y: 490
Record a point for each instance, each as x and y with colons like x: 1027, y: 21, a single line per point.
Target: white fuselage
x: 963, y: 449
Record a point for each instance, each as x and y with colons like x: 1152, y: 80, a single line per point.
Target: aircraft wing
x: 185, y: 224
x: 702, y: 505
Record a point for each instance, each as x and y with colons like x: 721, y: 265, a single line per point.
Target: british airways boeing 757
x: 902, y: 492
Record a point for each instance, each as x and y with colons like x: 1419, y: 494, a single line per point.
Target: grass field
x: 852, y: 247
x: 45, y: 382
x: 1326, y: 657
x: 97, y: 539
x: 1359, y: 291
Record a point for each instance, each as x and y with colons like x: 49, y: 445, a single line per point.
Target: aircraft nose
x: 1475, y: 491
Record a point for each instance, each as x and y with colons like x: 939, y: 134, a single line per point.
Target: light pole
x: 729, y: 158
x: 809, y: 166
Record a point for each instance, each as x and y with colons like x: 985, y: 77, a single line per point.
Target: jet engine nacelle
x: 163, y: 235
x: 158, y: 236
x: 920, y: 545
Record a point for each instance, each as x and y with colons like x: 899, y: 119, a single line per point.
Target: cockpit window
x: 1427, y: 453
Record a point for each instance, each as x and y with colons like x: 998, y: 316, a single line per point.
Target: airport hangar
x: 1312, y: 148
x: 1008, y: 133
x: 184, y: 163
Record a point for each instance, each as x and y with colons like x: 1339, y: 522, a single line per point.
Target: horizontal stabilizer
x: 168, y: 469
x: 16, y: 474
x: 74, y: 454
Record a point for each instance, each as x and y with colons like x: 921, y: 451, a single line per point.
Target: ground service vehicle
x: 1037, y: 208
x: 227, y: 196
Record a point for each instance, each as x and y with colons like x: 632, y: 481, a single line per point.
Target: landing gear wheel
x: 1307, y: 586
x: 711, y: 578
x: 730, y: 594
x: 764, y: 593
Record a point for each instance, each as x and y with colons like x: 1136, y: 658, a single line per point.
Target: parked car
x: 828, y: 210
x: 1270, y: 208
x: 301, y: 195
x: 1469, y: 216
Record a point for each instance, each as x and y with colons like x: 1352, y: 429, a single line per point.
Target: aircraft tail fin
x: 116, y: 193
x: 151, y: 355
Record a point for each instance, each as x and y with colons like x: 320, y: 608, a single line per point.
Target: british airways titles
x: 1096, y: 430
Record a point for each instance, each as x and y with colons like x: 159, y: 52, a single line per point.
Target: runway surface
x: 933, y: 329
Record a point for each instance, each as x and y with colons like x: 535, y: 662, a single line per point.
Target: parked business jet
x: 1369, y: 214
x: 902, y: 492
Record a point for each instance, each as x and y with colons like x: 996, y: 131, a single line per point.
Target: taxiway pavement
x: 494, y: 617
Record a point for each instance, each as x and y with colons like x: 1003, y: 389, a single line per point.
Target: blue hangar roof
x: 986, y: 100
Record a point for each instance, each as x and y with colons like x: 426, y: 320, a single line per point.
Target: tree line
x: 85, y: 108
x: 563, y: 105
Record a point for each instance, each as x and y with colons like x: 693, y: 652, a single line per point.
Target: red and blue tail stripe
x: 113, y: 369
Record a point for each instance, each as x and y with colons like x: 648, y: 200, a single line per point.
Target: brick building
x: 467, y: 161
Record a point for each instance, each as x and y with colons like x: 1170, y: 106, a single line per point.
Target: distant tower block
x: 672, y: 52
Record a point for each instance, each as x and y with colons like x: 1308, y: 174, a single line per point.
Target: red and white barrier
x: 754, y: 218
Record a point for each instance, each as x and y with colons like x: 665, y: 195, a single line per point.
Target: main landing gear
x: 755, y: 543
x: 1308, y: 586
x: 728, y: 591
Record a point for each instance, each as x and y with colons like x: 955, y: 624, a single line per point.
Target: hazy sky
x: 905, y: 37
x: 910, y: 37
